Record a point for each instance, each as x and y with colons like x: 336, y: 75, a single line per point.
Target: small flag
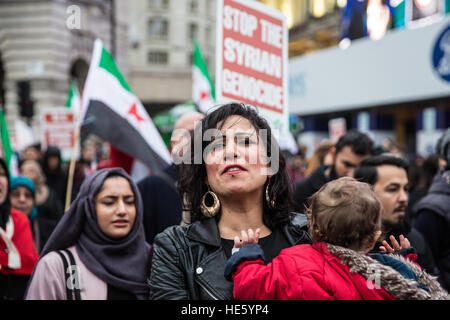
x: 203, y: 93
x: 8, y: 154
x: 111, y: 111
x: 73, y: 98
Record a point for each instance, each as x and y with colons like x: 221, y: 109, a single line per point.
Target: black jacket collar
x: 205, y: 231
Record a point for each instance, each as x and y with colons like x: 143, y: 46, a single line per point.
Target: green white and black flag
x: 203, y: 93
x: 111, y: 111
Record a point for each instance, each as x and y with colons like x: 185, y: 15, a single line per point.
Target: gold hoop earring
x: 212, y: 210
x: 270, y: 203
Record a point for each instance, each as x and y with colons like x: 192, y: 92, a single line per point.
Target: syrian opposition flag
x: 111, y: 111
x: 203, y: 93
x: 73, y: 98
x: 7, y: 152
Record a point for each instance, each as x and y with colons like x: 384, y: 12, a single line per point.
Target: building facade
x: 313, y: 24
x: 44, y: 44
x: 161, y: 45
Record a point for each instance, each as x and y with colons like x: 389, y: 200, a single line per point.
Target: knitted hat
x: 27, y: 183
x: 22, y: 181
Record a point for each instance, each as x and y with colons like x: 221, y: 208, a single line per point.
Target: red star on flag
x: 204, y: 95
x: 133, y: 112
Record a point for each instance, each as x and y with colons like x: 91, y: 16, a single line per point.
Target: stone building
x: 161, y: 43
x: 46, y: 43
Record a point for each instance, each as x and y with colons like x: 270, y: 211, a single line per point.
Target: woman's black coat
x: 188, y: 262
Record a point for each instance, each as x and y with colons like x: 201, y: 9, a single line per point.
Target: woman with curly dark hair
x: 232, y: 178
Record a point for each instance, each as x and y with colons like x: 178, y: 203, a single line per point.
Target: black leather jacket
x: 188, y: 262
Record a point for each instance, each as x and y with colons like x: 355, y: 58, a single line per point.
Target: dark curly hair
x: 193, y: 174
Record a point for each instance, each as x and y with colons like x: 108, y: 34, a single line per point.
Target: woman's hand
x: 404, y: 243
x: 247, y: 237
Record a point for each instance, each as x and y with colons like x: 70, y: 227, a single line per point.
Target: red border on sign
x: 254, y: 42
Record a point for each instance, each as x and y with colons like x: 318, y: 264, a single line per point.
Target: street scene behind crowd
x: 217, y: 198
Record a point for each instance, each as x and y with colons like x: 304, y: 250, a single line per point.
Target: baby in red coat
x: 344, y: 224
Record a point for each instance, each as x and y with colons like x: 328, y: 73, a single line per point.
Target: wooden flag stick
x: 72, y: 169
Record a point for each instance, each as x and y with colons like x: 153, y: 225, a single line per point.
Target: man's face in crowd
x: 391, y: 191
x: 53, y: 162
x: 31, y: 153
x: 346, y: 161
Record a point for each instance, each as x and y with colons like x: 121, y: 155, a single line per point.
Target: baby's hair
x: 345, y: 212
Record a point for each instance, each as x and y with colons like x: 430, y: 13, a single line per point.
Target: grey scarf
x: 122, y: 263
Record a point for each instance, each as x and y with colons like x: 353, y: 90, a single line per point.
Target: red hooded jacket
x: 18, y: 254
x: 303, y: 272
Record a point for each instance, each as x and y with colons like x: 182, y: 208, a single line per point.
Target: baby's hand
x: 247, y: 237
x: 404, y: 243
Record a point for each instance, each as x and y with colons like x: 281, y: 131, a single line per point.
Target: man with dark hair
x: 433, y: 213
x: 348, y: 152
x: 163, y: 205
x: 389, y: 178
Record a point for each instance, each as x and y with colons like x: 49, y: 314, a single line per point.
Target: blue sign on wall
x: 441, y: 55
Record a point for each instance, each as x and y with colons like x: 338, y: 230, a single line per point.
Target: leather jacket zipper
x: 206, y: 290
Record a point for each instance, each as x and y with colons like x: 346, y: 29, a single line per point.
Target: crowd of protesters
x: 222, y: 229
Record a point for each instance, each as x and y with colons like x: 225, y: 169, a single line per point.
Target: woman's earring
x: 270, y: 203
x: 210, y: 211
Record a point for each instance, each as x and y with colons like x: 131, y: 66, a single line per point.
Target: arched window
x: 79, y: 71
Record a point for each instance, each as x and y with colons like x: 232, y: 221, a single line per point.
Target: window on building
x: 157, y: 57
x: 193, y: 31
x: 78, y: 72
x: 193, y: 6
x: 206, y: 58
x: 159, y: 4
x: 158, y: 28
x: 319, y: 8
x: 208, y: 35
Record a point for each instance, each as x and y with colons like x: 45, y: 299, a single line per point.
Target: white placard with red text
x: 252, y: 58
x: 58, y: 129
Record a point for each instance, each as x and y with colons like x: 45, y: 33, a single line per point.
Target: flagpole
x: 72, y: 170
x: 80, y: 115
x: 73, y: 158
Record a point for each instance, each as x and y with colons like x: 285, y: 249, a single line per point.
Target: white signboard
x: 251, y: 66
x: 426, y: 142
x: 58, y: 129
x: 23, y: 136
x: 337, y: 128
